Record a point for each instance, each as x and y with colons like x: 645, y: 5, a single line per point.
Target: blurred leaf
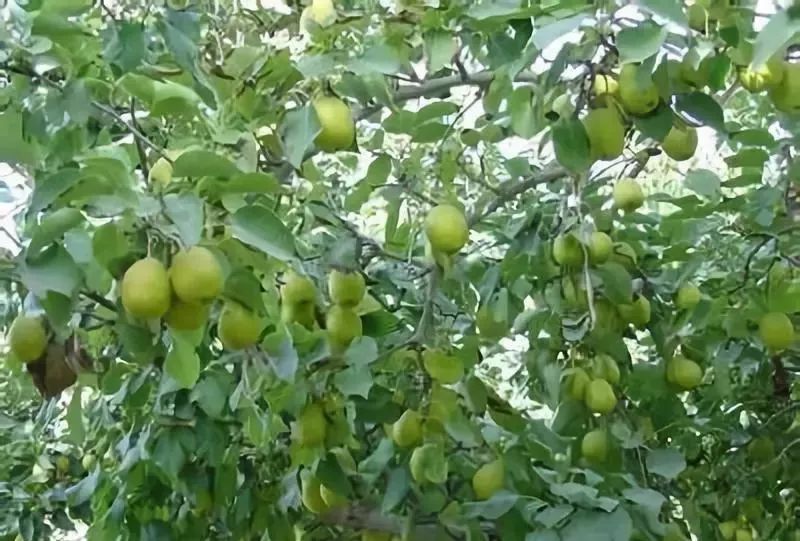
x: 186, y: 212
x: 665, y: 462
x: 641, y: 42
x: 182, y: 362
x: 300, y: 127
x: 258, y: 226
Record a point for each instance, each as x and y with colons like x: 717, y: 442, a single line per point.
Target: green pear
x: 786, y: 94
x: 489, y: 479
x: 600, y: 248
x: 446, y: 229
x: 346, y: 288
x: 27, y: 338
x: 337, y: 127
x: 238, y: 327
x: 628, y: 195
x: 407, y: 430
x: 567, y: 250
x: 776, y: 331
x: 600, y: 397
x: 680, y: 143
x: 638, y: 97
x: 687, y: 297
x: 311, y: 426
x: 594, y: 446
x: 196, y: 275
x: 606, y: 133
x: 146, y: 290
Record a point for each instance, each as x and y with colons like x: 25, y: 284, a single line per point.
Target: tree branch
x: 360, y: 517
x: 440, y: 84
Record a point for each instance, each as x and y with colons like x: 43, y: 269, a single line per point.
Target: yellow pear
x: 600, y: 397
x: 160, y: 173
x: 767, y: 76
x: 776, y: 331
x: 680, y: 143
x: 238, y: 327
x: 687, y: 297
x: 444, y: 368
x: 343, y: 326
x: 146, y: 292
x: 489, y: 479
x: 605, y: 84
x: 311, y: 494
x: 567, y: 250
x: 594, y: 446
x: 446, y: 229
x: 322, y: 12
x: 297, y: 289
x: 637, y: 97
x: 606, y: 133
x: 311, y: 426
x: 27, y: 338
x: 600, y: 247
x: 628, y: 195
x: 196, y: 275
x: 407, y: 430
x: 337, y: 127
x: 187, y: 316
x: 786, y: 94
x: 346, y: 288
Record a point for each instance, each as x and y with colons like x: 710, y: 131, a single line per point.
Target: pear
x: 577, y: 381
x: 187, y: 316
x: 606, y: 133
x: 637, y: 313
x: 322, y: 12
x: 27, y: 338
x: 698, y: 17
x: 628, y: 195
x: 428, y: 464
x: 311, y: 426
x: 407, y: 430
x: 605, y: 84
x: 567, y: 251
x: 196, y: 275
x: 687, y: 297
x: 594, y: 446
x: 337, y: 127
x: 684, y: 373
x: 765, y: 77
x: 146, y: 291
x: 332, y: 498
x: 728, y: 530
x: 238, y: 327
x: 600, y: 248
x: 161, y: 172
x: 343, y: 326
x: 680, y: 143
x: 489, y: 479
x: 786, y: 94
x: 446, y: 229
x: 776, y: 331
x: 600, y: 397
x: 304, y: 314
x: 637, y: 97
x: 604, y: 366
x: 346, y: 288
x: 297, y: 289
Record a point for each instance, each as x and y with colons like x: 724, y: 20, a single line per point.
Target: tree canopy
x: 415, y: 269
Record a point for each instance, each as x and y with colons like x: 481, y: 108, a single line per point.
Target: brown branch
x: 360, y: 517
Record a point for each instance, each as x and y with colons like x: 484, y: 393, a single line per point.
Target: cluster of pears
x: 594, y: 386
x: 183, y: 295
x: 632, y: 93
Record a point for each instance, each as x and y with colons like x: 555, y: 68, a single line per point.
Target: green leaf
x: 52, y: 270
x: 299, y: 128
x: 53, y: 226
x: 440, y: 46
x: 495, y: 507
x: 362, y: 352
x: 243, y: 287
x: 186, y: 212
x: 617, y: 283
x: 329, y: 472
x: 125, y: 45
x: 667, y: 463
x: 701, y: 108
x: 13, y: 146
x: 598, y: 526
x: 645, y: 497
x: 705, y: 183
x: 378, y: 58
x: 672, y: 10
x: 520, y: 107
x: 354, y: 380
x: 203, y: 163
x: 571, y: 145
x: 82, y: 491
x: 282, y: 356
x: 778, y: 30
x: 77, y: 432
x: 182, y: 362
x: 397, y: 487
x: 639, y: 43
x: 258, y: 226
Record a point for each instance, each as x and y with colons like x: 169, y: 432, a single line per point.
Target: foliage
x: 144, y: 129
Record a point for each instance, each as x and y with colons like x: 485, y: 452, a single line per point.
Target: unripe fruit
x: 687, y: 297
x: 407, y: 430
x: 311, y: 426
x: 420, y: 464
x: 577, y: 381
x: 27, y: 338
x: 238, y: 327
x: 600, y: 248
x: 628, y: 195
x: 728, y: 530
x: 62, y: 463
x: 346, y: 288
x: 768, y: 76
x: 697, y: 15
x: 680, y: 143
x: 637, y: 98
x: 444, y: 368
x: 343, y: 326
x: 297, y: 290
x: 311, y: 495
x: 605, y: 367
x: 160, y: 173
x: 637, y: 313
x: 776, y: 331
x: 606, y: 133
x: 446, y: 229
x: 322, y: 12
x: 196, y: 275
x: 146, y: 291
x: 187, y: 316
x: 594, y: 446
x: 684, y: 373
x: 743, y: 535
x: 604, y: 84
x: 337, y: 127
x: 88, y: 461
x: 600, y: 397
x: 489, y: 479
x: 567, y: 250
x: 786, y: 95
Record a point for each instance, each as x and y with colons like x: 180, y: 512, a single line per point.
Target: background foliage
x: 168, y: 436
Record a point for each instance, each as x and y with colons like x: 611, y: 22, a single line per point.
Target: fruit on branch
x: 337, y: 127
x: 310, y: 493
x: 687, y: 297
x: 238, y: 327
x: 442, y: 367
x: 27, y: 338
x: 605, y: 85
x: 146, y: 291
x: 698, y: 17
x: 187, y: 316
x: 488, y: 326
x: 343, y: 326
x: 765, y: 77
x: 594, y: 446
x: 680, y: 143
x: 196, y: 275
x: 446, y: 229
x: 311, y: 426
x: 606, y: 133
x: 346, y: 288
x: 160, y: 173
x: 407, y: 430
x: 600, y: 397
x: 776, y: 331
x: 628, y: 195
x: 694, y: 71
x: 624, y: 254
x: 567, y: 250
x: 577, y: 381
x: 600, y: 248
x: 786, y: 94
x: 637, y: 313
x: 298, y: 289
x: 684, y: 373
x: 489, y: 479
x: 605, y: 367
x: 638, y: 94
x: 728, y: 530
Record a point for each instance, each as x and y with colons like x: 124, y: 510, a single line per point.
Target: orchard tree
x: 381, y: 270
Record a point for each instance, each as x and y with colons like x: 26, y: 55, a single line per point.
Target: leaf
x: 258, y: 226
x: 203, y: 163
x: 53, y: 226
x: 667, y: 463
x: 376, y: 59
x: 702, y: 108
x: 552, y: 515
x: 125, y: 45
x: 182, y: 362
x: 82, y: 491
x: 362, y: 351
x: 242, y: 286
x: 617, y: 283
x: 495, y: 507
x: 77, y: 432
x: 571, y: 145
x: 186, y: 212
x: 672, y: 10
x: 329, y: 472
x: 520, y: 108
x: 354, y: 380
x: 13, y: 146
x: 52, y: 270
x: 705, y: 183
x: 299, y: 128
x: 282, y: 356
x: 778, y: 30
x: 645, y: 497
x: 598, y: 526
x: 397, y: 487
x: 440, y: 46
x: 639, y: 43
